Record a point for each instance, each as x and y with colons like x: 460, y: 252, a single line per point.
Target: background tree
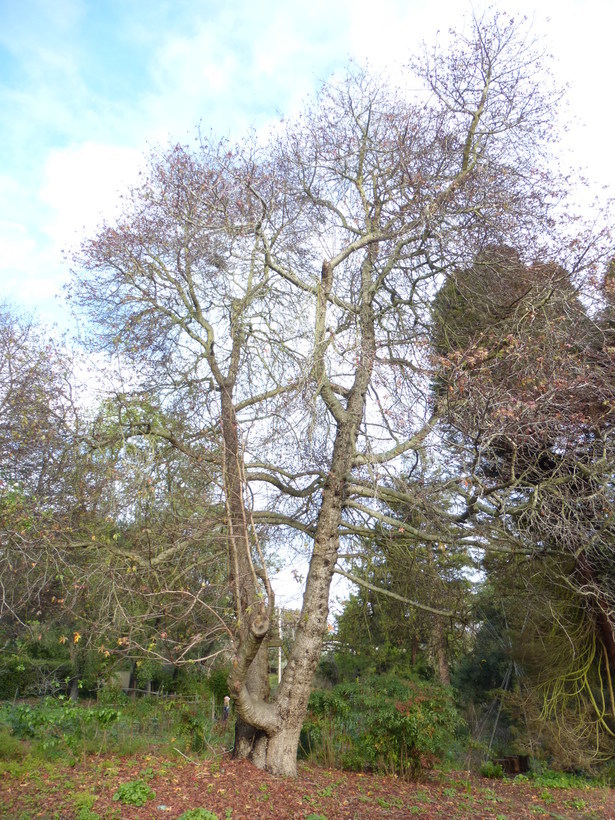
x: 43, y: 500
x: 110, y: 547
x: 160, y: 580
x: 527, y: 378
x: 396, y: 622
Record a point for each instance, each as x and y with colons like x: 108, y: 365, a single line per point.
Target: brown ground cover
x: 236, y: 790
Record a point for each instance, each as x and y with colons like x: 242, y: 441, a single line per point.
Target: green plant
x: 111, y: 695
x: 489, y: 794
x: 84, y: 800
x: 391, y: 802
x: 11, y: 748
x: 134, y: 793
x: 491, y: 769
x: 559, y: 780
x: 86, y: 814
x: 54, y: 729
x: 578, y: 803
x: 546, y: 796
x: 198, y: 814
x: 193, y: 729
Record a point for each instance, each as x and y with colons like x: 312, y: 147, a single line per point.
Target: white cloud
x: 82, y: 186
x: 17, y: 247
x: 74, y: 145
x: 29, y: 276
x: 78, y: 189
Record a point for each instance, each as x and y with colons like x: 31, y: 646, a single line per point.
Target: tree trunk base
x: 276, y: 754
x: 282, y: 752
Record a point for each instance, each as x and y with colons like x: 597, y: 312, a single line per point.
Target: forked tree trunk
x: 271, y: 739
x: 294, y: 691
x: 270, y: 732
x: 250, y: 742
x: 281, y: 721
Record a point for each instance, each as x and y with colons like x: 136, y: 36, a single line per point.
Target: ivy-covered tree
x: 526, y: 375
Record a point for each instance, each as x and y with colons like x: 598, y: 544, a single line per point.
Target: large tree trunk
x: 250, y: 742
x: 272, y: 734
x: 282, y: 747
x: 272, y: 731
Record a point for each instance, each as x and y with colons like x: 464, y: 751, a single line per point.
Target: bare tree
x: 281, y: 296
x: 37, y: 462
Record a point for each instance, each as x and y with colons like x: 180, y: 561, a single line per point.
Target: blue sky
x: 87, y: 85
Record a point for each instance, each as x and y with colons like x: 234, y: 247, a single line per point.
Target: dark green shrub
x: 217, y: 683
x: 111, y: 694
x: 491, y: 769
x: 15, y: 677
x: 193, y: 728
x: 381, y: 724
x: 154, y: 673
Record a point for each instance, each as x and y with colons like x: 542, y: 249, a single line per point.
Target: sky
x: 87, y: 87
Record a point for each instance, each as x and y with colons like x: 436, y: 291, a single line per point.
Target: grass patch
x: 11, y: 747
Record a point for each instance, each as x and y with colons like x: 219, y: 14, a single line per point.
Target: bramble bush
x: 381, y: 724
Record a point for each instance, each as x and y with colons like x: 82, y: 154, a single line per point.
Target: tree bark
x: 294, y: 691
x: 444, y: 672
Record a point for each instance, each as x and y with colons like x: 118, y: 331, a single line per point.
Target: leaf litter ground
x: 235, y: 790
